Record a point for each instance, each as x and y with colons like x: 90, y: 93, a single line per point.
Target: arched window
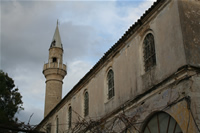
x: 110, y: 82
x: 86, y: 103
x: 162, y: 123
x: 70, y: 117
x: 149, y: 52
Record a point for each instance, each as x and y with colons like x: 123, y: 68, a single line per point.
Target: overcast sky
x: 87, y: 29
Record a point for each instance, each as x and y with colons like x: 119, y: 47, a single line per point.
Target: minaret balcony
x: 55, y: 65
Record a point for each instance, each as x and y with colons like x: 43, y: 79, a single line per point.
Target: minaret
x: 54, y: 72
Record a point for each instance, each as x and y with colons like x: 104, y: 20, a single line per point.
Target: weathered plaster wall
x: 170, y: 99
x: 189, y: 11
x: 169, y: 46
x: 195, y: 97
x: 130, y: 78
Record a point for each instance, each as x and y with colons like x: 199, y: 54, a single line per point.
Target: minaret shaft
x: 54, y: 72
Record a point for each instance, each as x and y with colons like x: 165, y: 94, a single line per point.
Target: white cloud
x: 76, y: 70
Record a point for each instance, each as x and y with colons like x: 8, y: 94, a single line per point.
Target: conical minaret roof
x: 56, y: 41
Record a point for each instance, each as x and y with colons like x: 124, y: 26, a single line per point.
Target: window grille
x: 162, y: 123
x: 86, y: 104
x: 110, y: 80
x: 149, y: 52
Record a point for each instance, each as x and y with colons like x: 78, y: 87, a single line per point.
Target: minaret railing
x: 55, y: 65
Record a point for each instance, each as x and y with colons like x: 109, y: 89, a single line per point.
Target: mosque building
x: 147, y: 82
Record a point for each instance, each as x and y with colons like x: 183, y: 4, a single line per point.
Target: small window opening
x: 110, y: 82
x: 70, y: 117
x: 86, y: 104
x: 57, y: 125
x: 53, y: 43
x: 54, y: 59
